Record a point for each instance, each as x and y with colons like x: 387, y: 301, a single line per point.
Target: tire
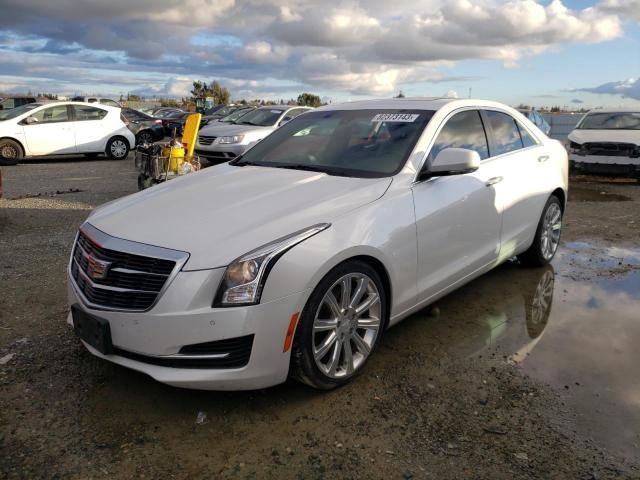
x: 143, y: 137
x: 117, y: 148
x: 144, y: 182
x: 10, y: 152
x: 547, y: 237
x: 321, y: 362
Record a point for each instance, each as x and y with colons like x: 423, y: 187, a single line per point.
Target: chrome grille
x: 205, y: 140
x: 122, y: 280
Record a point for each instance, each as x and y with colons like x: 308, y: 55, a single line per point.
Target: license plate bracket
x: 93, y: 330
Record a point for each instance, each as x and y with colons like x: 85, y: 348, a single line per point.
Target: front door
x: 51, y: 133
x: 458, y: 218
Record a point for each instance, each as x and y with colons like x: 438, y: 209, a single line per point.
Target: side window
x: 506, y: 136
x: 108, y: 101
x: 463, y: 130
x: 55, y: 114
x: 92, y: 100
x: 527, y: 139
x: 89, y: 113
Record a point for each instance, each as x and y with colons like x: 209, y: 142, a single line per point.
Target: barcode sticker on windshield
x: 396, y: 117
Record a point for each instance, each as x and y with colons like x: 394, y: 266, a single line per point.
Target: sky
x: 572, y: 53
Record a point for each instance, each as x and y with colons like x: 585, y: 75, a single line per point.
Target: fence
x: 561, y: 124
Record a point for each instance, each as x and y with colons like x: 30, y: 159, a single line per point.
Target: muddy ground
x: 520, y: 374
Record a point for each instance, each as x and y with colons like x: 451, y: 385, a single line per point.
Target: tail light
x: 158, y: 121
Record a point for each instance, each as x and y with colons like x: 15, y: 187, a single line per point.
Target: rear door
x: 51, y: 133
x: 520, y: 186
x: 90, y: 128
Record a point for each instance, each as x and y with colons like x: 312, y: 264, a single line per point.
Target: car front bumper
x: 184, y: 316
x: 605, y: 164
x: 220, y: 153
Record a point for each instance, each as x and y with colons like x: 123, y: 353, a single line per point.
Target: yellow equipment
x: 190, y: 133
x: 175, y: 154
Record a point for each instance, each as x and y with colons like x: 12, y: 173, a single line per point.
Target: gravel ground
x: 442, y: 398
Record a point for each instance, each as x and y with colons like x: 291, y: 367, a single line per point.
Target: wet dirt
x: 581, y: 194
x: 523, y: 373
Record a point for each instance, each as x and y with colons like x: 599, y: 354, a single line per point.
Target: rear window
x: 506, y: 136
x: 611, y: 121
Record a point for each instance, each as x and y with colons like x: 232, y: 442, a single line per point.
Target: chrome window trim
x: 125, y: 246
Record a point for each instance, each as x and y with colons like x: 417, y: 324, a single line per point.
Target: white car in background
x: 607, y: 142
x: 336, y: 226
x: 63, y: 128
x: 221, y: 142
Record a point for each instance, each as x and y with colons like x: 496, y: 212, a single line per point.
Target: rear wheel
x: 547, y: 239
x: 10, y: 152
x: 144, y: 137
x: 117, y: 148
x: 340, y: 327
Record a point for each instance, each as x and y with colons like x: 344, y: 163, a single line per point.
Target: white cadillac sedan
x: 63, y: 128
x: 338, y: 225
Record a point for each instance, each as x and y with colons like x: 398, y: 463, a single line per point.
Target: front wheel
x: 10, y: 152
x: 144, y: 137
x: 547, y: 239
x: 117, y: 148
x: 340, y: 327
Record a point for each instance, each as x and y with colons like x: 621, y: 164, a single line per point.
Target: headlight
x: 231, y: 139
x: 575, y: 147
x: 244, y: 278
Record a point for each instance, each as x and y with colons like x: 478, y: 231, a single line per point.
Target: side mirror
x: 454, y: 161
x: 30, y: 120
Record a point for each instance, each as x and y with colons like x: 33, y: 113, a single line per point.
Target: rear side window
x: 527, y: 139
x: 463, y: 130
x: 89, y: 113
x: 55, y: 114
x: 506, y: 136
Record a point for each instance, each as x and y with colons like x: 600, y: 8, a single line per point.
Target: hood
x: 617, y: 136
x: 225, y: 129
x: 223, y: 212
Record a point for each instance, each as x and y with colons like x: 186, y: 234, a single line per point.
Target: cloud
x: 627, y: 9
x: 367, y: 47
x: 629, y: 88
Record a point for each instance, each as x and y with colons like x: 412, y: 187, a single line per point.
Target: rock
x: 521, y: 456
x: 201, y: 418
x: 7, y: 358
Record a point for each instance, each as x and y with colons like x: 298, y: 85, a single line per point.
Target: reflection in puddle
x: 581, y: 337
x: 582, y: 194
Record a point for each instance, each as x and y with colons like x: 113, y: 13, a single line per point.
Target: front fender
x: 383, y: 230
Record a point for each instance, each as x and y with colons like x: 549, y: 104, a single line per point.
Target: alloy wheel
x: 551, y: 228
x: 346, y: 325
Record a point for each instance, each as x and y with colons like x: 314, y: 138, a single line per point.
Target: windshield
x: 232, y: 117
x: 358, y: 143
x: 261, y: 117
x: 611, y: 121
x: 16, y: 112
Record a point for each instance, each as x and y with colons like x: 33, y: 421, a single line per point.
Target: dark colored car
x: 13, y: 102
x: 146, y: 128
x: 225, y: 114
x: 165, y: 112
x: 175, y: 122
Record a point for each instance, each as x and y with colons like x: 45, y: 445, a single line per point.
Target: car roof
x: 615, y: 110
x: 418, y: 103
x: 84, y: 104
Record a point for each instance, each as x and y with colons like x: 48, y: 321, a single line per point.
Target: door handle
x: 493, y: 181
x: 543, y: 158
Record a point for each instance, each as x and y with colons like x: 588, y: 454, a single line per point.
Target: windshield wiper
x: 308, y: 168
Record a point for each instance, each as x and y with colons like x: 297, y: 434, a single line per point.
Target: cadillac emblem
x: 97, y: 269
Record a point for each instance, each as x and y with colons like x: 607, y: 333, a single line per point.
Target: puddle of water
x: 582, y: 194
x: 579, y: 336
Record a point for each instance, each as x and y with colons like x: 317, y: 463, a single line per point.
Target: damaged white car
x: 607, y: 142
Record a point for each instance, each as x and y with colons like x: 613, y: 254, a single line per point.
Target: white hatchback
x: 336, y: 226
x: 63, y: 128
